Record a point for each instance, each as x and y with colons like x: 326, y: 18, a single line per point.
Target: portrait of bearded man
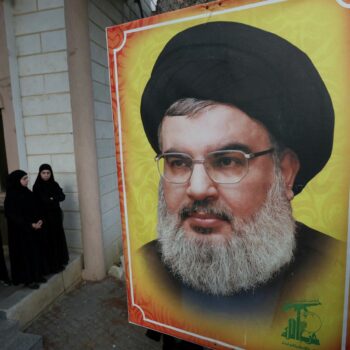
x: 241, y: 121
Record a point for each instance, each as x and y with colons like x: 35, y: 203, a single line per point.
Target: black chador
x: 24, y: 231
x: 4, y: 277
x: 49, y: 194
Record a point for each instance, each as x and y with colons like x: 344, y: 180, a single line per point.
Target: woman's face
x: 24, y: 181
x: 45, y: 174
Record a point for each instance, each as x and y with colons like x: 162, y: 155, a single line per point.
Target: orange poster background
x: 318, y: 27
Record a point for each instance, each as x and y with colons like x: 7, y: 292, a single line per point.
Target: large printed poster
x: 232, y: 139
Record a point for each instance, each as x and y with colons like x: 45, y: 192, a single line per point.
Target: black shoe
x: 32, y: 285
x: 42, y: 280
x: 6, y: 282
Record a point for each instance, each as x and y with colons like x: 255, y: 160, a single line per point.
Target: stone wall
x: 103, y: 14
x: 40, y: 37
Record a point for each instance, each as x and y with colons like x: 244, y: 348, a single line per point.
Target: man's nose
x: 201, y: 186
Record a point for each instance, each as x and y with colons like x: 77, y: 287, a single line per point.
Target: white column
x: 79, y: 67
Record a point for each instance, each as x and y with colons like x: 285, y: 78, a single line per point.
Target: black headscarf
x: 42, y: 167
x: 46, y: 190
x: 14, y: 181
x: 19, y: 201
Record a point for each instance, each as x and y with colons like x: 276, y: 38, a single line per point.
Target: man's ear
x: 290, y: 166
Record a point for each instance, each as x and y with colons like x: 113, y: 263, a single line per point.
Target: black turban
x: 260, y: 73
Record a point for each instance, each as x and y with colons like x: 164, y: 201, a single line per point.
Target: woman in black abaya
x: 24, y: 231
x: 50, y: 194
x: 4, y: 277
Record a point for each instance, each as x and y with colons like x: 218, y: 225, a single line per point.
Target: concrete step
x: 12, y: 339
x: 8, y: 330
x: 24, y: 304
x: 23, y: 341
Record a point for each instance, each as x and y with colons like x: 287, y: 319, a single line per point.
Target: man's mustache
x: 205, y: 207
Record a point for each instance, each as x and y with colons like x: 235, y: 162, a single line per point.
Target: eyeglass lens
x: 222, y: 166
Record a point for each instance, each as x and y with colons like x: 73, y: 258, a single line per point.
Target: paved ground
x: 92, y: 316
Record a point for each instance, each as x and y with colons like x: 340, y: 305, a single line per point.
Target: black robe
x: 49, y: 194
x: 25, y: 243
x: 3, y: 269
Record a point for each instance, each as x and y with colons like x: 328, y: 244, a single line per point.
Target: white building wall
x: 103, y: 14
x: 40, y: 37
x: 39, y: 34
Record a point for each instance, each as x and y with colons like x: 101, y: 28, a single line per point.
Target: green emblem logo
x: 304, y: 326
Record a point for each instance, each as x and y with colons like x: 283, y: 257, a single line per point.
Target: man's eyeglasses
x: 223, y: 167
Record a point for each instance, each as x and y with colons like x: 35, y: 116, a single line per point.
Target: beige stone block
x: 54, y: 41
x: 33, y: 85
x: 110, y: 218
x: 46, y: 104
x: 28, y: 44
x: 44, y: 63
x: 101, y: 92
x: 46, y: 4
x: 49, y: 144
x: 106, y: 166
x: 108, y: 183
x: 98, y: 73
x: 24, y: 6
x: 105, y: 147
x: 71, y: 203
x: 74, y: 240
x: 39, y: 21
x: 98, y: 54
x: 56, y: 82
x: 104, y: 130
x: 67, y: 181
x: 109, y: 201
x: 63, y: 163
x: 72, y: 220
x: 98, y: 16
x: 34, y: 162
x: 60, y: 123
x: 103, y: 111
x: 35, y: 125
x: 97, y: 34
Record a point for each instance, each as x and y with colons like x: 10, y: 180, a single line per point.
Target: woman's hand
x: 37, y: 225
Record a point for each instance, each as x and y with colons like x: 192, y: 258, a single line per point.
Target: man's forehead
x: 211, y: 129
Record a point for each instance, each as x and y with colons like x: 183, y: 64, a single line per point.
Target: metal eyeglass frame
x: 247, y: 156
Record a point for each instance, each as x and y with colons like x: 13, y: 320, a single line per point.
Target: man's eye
x: 178, y: 162
x: 227, y: 161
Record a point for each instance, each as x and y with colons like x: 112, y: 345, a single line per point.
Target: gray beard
x: 256, y: 250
